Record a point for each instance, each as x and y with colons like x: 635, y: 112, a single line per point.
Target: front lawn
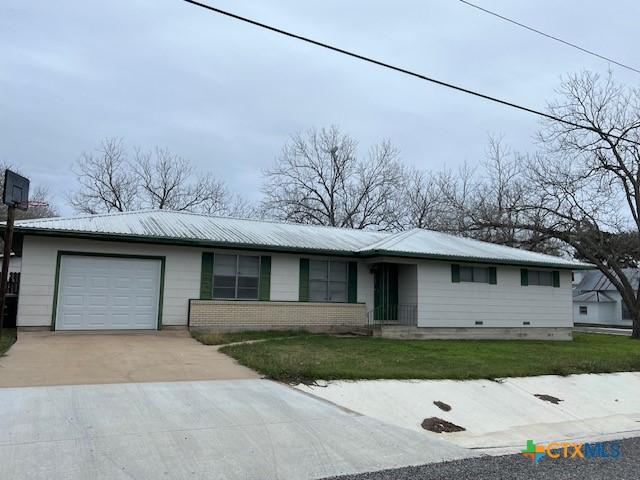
x: 308, y: 358
x: 7, y: 339
x: 220, y: 338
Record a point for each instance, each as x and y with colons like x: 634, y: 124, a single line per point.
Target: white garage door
x: 104, y: 293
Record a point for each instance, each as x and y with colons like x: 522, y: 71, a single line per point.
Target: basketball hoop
x: 27, y: 205
x: 15, y: 195
x: 16, y: 190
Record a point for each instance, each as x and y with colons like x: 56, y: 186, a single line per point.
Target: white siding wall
x: 617, y: 315
x: 181, y: 282
x: 603, y: 313
x: 407, y: 285
x: 365, y: 285
x: 442, y: 303
x: 592, y: 316
x: 285, y: 277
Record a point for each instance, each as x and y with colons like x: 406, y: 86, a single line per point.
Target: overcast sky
x: 227, y: 95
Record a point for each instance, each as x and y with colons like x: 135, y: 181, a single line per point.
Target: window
x: 541, y: 277
x: 327, y: 281
x: 583, y: 310
x: 236, y: 276
x: 474, y: 274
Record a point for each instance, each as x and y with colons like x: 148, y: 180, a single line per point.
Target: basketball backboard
x: 16, y: 190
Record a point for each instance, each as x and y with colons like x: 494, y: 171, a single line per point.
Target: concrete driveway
x: 228, y: 429
x: 60, y: 358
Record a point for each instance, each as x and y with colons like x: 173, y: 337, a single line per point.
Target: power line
x: 552, y: 37
x: 403, y: 70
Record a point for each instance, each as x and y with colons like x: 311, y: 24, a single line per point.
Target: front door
x: 385, y: 289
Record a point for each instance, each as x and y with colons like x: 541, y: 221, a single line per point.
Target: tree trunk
x: 635, y: 332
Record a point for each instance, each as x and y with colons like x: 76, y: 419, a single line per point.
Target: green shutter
x: 524, y: 277
x: 265, y: 278
x: 206, y: 276
x: 352, y: 283
x: 493, y: 276
x: 303, y: 288
x: 455, y: 273
x: 556, y: 278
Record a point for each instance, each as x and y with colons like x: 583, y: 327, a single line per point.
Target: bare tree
x: 318, y: 179
x: 584, y: 190
x: 105, y: 179
x: 168, y: 181
x: 494, y: 212
x: 111, y: 181
x: 422, y: 201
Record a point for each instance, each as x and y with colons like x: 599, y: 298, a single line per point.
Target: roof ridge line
x: 85, y: 215
x: 394, y: 239
x: 205, y: 215
x: 276, y: 222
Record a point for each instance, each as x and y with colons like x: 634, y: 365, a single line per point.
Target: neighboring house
x: 154, y: 269
x: 597, y: 301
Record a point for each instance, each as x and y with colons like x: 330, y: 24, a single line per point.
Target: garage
x: 108, y: 293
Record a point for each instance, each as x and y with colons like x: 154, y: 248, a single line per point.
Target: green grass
x: 8, y: 338
x: 309, y: 358
x: 220, y: 338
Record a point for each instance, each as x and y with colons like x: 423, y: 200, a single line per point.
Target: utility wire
x: 405, y: 71
x: 573, y: 45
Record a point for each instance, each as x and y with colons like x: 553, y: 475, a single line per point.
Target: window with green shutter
x: 473, y: 274
x: 206, y: 276
x: 231, y: 276
x: 303, y: 287
x: 265, y: 278
x: 328, y: 281
x: 493, y: 276
x: 540, y: 278
x: 352, y: 280
x: 455, y: 273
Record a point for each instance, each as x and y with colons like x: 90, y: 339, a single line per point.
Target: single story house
x: 596, y: 301
x: 154, y: 269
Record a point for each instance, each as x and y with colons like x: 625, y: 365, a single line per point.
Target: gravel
x: 626, y: 466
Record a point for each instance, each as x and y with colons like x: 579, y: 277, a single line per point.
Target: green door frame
x: 385, y: 287
x: 111, y: 255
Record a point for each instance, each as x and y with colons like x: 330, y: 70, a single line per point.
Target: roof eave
x: 114, y: 237
x: 482, y: 260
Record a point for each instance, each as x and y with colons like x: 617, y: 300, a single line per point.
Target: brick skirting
x: 229, y: 315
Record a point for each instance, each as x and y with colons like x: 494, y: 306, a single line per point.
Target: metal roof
x: 429, y: 243
x: 595, y: 280
x: 168, y: 226
x: 593, y: 297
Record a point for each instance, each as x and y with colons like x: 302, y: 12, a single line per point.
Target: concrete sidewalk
x: 61, y: 358
x: 241, y: 429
